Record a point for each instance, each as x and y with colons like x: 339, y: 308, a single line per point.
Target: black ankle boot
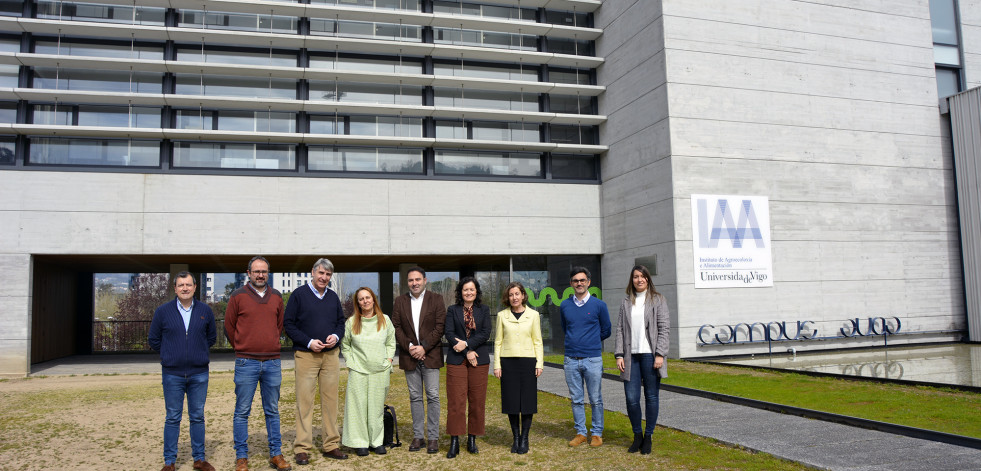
x: 523, y: 439
x: 635, y: 446
x: 454, y: 447
x: 645, y: 446
x: 472, y: 444
x: 517, y: 438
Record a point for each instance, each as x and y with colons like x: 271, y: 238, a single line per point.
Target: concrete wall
x: 970, y: 11
x: 829, y: 109
x: 637, y: 206
x: 51, y: 212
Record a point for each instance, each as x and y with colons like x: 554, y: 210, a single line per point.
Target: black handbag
x: 391, y: 428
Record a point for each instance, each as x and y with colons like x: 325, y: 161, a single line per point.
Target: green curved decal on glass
x: 556, y: 300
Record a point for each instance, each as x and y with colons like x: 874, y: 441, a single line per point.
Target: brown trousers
x: 466, y: 393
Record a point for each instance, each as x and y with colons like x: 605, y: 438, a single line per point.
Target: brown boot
x: 280, y: 463
x: 203, y: 465
x: 242, y: 464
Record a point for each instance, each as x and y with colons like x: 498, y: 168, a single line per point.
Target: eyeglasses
x: 580, y: 281
x: 260, y: 272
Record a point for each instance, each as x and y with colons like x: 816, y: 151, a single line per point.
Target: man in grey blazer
x: 419, y: 317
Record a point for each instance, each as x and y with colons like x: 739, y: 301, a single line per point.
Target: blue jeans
x: 590, y: 370
x: 175, y: 387
x: 268, y: 375
x: 642, y: 372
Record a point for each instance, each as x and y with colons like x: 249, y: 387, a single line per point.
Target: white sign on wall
x: 731, y: 240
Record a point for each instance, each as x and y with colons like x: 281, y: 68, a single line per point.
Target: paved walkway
x: 819, y: 444
x: 815, y: 443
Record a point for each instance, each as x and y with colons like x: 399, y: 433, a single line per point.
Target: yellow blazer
x: 519, y: 337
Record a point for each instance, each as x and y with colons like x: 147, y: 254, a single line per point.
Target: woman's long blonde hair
x: 356, y: 324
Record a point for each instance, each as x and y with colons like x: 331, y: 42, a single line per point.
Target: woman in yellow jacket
x: 518, y: 361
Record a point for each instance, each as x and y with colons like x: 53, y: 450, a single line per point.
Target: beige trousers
x: 313, y: 369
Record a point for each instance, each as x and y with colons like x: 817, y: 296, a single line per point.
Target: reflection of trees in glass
x: 146, y: 293
x: 6, y: 155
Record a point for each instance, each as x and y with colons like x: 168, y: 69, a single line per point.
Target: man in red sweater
x: 253, y: 323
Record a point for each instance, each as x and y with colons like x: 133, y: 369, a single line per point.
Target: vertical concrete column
x: 16, y: 296
x: 385, y: 295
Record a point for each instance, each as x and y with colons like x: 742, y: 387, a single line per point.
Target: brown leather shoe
x: 433, y: 447
x: 168, y: 467
x: 579, y: 440
x: 335, y: 454
x: 596, y: 441
x: 301, y: 458
x: 279, y: 463
x: 416, y: 444
x: 242, y: 464
x: 203, y: 465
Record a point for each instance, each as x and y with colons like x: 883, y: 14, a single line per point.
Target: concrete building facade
x: 501, y: 135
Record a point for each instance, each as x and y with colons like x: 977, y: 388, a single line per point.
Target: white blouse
x: 638, y: 332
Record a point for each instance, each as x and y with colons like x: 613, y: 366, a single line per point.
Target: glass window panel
x: 9, y: 75
x: 100, y: 13
x: 944, y: 20
x: 219, y: 85
x: 11, y: 7
x: 948, y: 82
x: 574, y: 167
x: 488, y: 163
x: 412, y: 5
x: 574, y: 104
x: 946, y: 55
x: 9, y: 44
x: 234, y: 155
x: 237, y: 21
x: 62, y: 151
x: 577, y: 47
x: 236, y: 57
x: 488, y: 131
x: 567, y: 18
x: 392, y: 126
x: 364, y: 64
x: 491, y: 71
x: 119, y: 116
x: 99, y: 50
x: 326, y: 125
x: 485, y: 38
x: 365, y: 159
x: 97, y: 80
x: 8, y: 148
x: 53, y: 115
x: 573, y: 76
x: 195, y: 119
x: 495, y: 100
x: 8, y: 112
x: 365, y: 92
x: 451, y: 130
x: 256, y: 121
x: 572, y: 134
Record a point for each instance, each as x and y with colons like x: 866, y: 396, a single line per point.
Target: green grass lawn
x: 940, y: 409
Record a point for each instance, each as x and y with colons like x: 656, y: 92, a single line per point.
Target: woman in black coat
x: 468, y: 327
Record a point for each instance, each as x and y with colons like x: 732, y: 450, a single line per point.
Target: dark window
x: 364, y: 159
x: 574, y: 167
x: 572, y: 134
x: 7, y: 150
x: 512, y: 164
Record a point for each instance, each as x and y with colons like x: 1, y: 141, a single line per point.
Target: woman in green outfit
x: 368, y: 346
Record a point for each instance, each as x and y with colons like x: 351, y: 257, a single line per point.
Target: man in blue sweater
x: 183, y: 331
x: 586, y: 323
x: 314, y: 319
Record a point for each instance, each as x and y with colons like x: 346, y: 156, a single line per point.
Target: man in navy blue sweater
x: 314, y: 319
x: 586, y: 322
x: 183, y: 331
